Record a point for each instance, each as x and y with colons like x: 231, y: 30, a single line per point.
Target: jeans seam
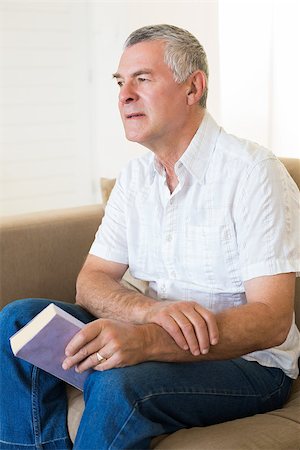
x: 33, y: 445
x: 35, y: 407
x: 123, y: 426
x: 35, y: 413
x: 205, y: 392
x: 17, y: 443
x: 278, y: 389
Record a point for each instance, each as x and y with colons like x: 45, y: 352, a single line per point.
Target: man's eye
x: 120, y: 83
x: 142, y: 79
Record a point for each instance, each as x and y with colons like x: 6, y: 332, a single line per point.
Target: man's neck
x: 168, y: 156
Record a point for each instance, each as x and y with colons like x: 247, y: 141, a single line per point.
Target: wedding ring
x: 99, y: 357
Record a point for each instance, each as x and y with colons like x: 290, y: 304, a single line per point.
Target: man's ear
x: 196, y: 86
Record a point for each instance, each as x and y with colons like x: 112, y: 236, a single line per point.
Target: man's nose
x: 127, y: 94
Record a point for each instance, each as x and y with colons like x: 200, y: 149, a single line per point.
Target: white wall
x: 44, y: 126
x: 284, y: 105
x: 259, y: 61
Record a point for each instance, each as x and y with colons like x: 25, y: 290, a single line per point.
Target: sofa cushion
x: 75, y: 410
x: 50, y: 248
x: 252, y: 433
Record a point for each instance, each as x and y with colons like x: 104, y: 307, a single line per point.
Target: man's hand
x: 191, y: 326
x: 119, y: 343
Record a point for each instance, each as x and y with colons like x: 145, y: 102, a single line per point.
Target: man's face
x: 152, y: 105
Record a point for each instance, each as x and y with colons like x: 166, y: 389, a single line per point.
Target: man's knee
x: 132, y: 382
x: 114, y: 378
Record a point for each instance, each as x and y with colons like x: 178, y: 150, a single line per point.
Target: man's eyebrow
x: 135, y: 74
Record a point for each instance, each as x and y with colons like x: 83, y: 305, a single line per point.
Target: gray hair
x: 183, y: 52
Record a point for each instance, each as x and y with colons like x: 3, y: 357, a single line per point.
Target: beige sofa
x: 41, y: 255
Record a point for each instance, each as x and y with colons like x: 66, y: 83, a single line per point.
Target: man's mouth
x: 134, y: 115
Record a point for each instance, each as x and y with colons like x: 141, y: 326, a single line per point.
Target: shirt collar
x: 197, y: 155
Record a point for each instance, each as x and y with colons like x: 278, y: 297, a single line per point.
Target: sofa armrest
x: 42, y: 253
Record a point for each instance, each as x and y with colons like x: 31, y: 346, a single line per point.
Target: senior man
x: 210, y: 221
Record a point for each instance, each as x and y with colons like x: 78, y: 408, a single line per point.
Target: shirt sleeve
x: 111, y: 238
x: 268, y: 221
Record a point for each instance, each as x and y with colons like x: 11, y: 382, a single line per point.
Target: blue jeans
x: 124, y: 408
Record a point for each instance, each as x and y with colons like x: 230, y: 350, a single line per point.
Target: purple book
x: 43, y: 340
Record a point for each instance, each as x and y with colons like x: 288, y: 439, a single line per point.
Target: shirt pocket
x: 211, y: 258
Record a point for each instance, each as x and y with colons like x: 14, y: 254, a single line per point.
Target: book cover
x: 43, y: 340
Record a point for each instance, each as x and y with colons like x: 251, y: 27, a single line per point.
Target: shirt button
x: 169, y: 238
x: 173, y: 274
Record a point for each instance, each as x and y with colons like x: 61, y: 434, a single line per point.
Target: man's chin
x: 132, y: 137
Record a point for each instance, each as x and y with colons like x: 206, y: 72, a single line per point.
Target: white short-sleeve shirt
x: 233, y: 216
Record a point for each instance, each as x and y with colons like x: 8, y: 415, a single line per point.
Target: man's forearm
x: 191, y: 326
x: 242, y: 330
x: 104, y: 297
x: 187, y: 325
